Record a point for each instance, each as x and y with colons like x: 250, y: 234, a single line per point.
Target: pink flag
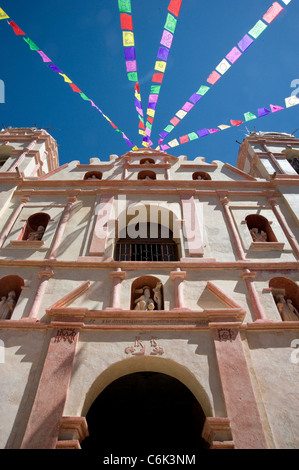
x: 273, y: 11
x: 275, y: 108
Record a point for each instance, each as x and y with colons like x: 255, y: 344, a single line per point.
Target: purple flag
x: 55, y: 68
x: 245, y: 42
x: 195, y: 98
x: 202, y: 132
x: 163, y: 53
x: 262, y: 112
x: 130, y: 53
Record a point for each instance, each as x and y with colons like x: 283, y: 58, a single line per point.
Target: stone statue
x: 92, y: 177
x: 258, y: 236
x: 158, y: 295
x: 38, y: 234
x: 7, y: 305
x: 144, y: 302
x: 286, y: 309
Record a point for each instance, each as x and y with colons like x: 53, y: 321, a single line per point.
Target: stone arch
x: 259, y: 222
x: 152, y: 283
x: 140, y: 419
x: 149, y: 364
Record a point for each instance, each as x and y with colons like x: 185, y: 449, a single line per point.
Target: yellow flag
x: 150, y: 112
x: 128, y: 39
x: 66, y: 79
x: 3, y: 15
x: 160, y: 65
x: 135, y: 147
x: 223, y: 127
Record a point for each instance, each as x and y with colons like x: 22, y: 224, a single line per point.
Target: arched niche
x: 93, y: 175
x: 286, y: 296
x: 147, y: 175
x: 201, y: 175
x: 35, y: 227
x: 147, y: 161
x: 10, y: 290
x: 260, y: 229
x: 147, y: 294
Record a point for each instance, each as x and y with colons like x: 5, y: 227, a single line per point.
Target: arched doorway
x: 145, y: 411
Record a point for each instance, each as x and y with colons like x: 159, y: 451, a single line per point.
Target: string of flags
x: 126, y: 22
x: 225, y: 64
x: 160, y: 65
x: 33, y: 47
x: 248, y: 116
x: 145, y: 129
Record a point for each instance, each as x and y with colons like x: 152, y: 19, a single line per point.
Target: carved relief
x: 65, y: 334
x: 140, y: 348
x: 227, y: 334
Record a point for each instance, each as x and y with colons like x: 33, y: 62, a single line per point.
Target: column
x: 249, y: 277
x: 242, y: 410
x: 61, y: 228
x: 44, y: 421
x: 12, y: 220
x: 284, y: 225
x: 44, y: 278
x: 178, y: 276
x: 117, y: 277
x: 236, y: 238
x: 192, y: 233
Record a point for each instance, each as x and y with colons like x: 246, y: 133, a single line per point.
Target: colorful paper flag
x: 236, y: 123
x: 233, y: 55
x: 262, y: 112
x: 275, y: 108
x: 273, y: 12
x: 128, y: 39
x: 258, y: 28
x: 291, y: 101
x: 126, y: 21
x: 16, y: 29
x: 124, y: 6
x: 245, y: 42
x: 171, y: 23
x: 223, y: 66
x: 31, y: 44
x: 213, y: 77
x: 65, y: 78
x: 249, y: 116
x: 3, y: 15
x: 44, y: 56
x: 174, y: 7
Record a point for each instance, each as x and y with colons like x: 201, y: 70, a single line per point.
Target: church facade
x: 149, y: 298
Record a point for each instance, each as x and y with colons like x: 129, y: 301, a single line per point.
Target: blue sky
x: 84, y: 40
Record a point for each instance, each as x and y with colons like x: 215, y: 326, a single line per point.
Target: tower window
x: 93, y: 175
x: 201, y: 175
x: 147, y: 175
x: 147, y: 248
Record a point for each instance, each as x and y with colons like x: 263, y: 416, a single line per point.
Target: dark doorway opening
x: 145, y: 412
